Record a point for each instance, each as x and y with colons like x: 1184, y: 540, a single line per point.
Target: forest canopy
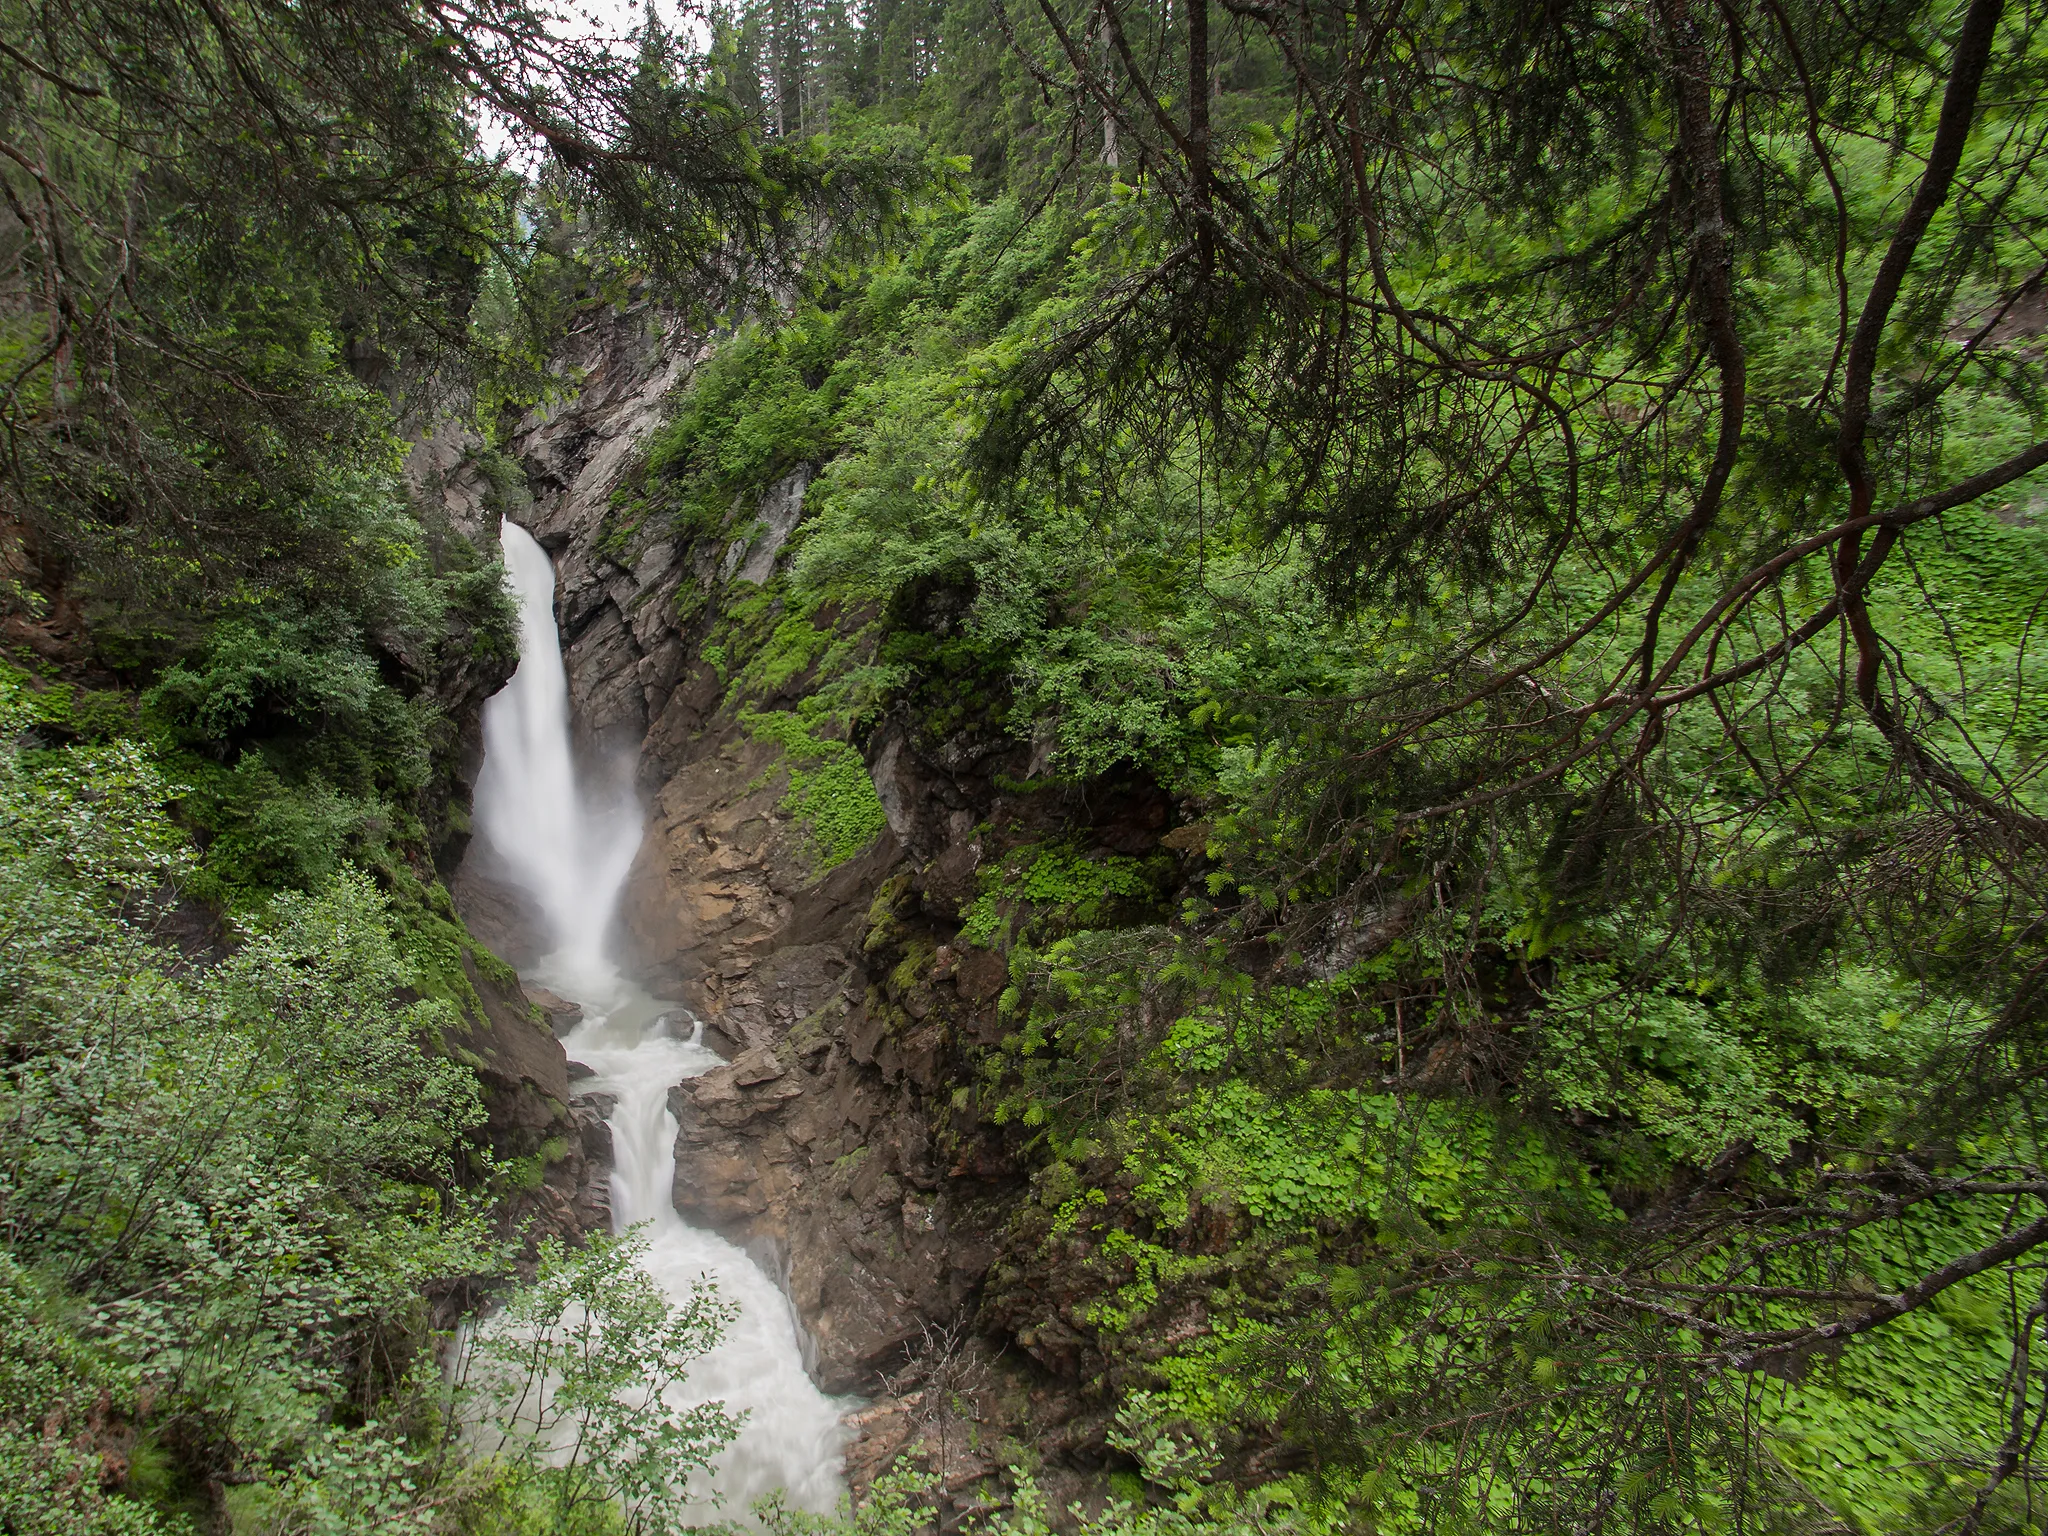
x: 1551, y: 494
x: 1553, y: 488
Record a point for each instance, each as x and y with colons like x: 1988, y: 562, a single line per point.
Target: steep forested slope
x: 1250, y: 1126
x: 272, y: 1121
x: 1360, y: 689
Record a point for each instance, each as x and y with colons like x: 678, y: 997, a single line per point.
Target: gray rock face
x: 932, y: 806
x: 507, y: 920
x: 443, y: 470
x: 782, y: 508
x: 614, y: 606
x: 832, y: 1141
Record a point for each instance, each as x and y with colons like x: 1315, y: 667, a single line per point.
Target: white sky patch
x: 609, y: 23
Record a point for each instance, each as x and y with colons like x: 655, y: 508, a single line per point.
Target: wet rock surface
x: 561, y: 1014
x: 814, y: 1144
x: 533, y: 1117
x: 498, y: 913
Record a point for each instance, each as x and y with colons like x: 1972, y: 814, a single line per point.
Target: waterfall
x: 571, y: 851
x: 569, y: 855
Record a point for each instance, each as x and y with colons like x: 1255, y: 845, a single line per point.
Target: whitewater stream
x: 569, y: 845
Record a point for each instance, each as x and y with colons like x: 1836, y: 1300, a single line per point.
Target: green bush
x: 830, y: 791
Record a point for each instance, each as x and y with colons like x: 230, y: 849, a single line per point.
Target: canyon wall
x: 814, y: 1147
x: 842, y: 1143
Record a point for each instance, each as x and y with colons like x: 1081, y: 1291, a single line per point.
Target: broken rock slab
x: 561, y: 1014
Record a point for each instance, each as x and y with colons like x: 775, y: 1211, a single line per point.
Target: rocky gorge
x: 840, y: 1144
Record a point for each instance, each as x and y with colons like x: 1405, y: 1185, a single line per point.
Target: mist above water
x: 570, y: 851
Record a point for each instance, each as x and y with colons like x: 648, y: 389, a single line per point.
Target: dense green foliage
x: 1550, y: 497
x: 1492, y: 1104
x: 237, y: 1177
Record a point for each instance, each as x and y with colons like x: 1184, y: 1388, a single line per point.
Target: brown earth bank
x: 842, y: 1143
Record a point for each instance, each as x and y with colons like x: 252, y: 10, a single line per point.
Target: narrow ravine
x: 569, y: 845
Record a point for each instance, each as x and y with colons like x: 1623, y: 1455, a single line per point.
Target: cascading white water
x: 572, y: 858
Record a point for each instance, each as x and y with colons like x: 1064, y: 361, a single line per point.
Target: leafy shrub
x: 566, y: 1388
x: 830, y: 790
x: 244, y: 1169
x: 305, y: 694
x: 1055, y: 886
x: 64, y: 1410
